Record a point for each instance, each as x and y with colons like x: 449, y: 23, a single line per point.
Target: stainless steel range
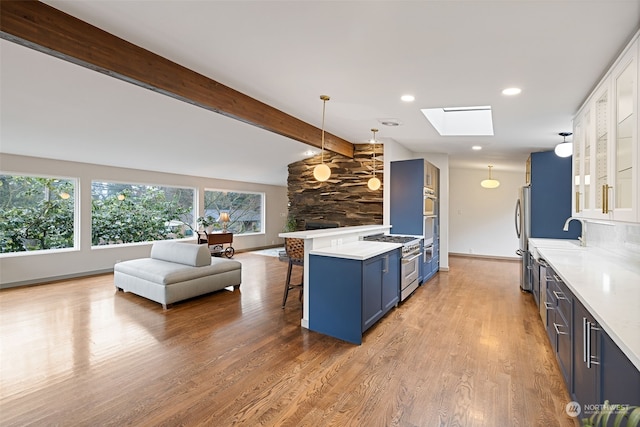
x: 409, y: 263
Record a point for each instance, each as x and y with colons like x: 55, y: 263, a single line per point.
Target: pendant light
x: 490, y: 183
x: 322, y: 172
x: 564, y: 149
x: 374, y: 182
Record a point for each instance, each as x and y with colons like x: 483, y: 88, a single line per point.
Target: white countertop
x: 360, y: 250
x: 607, y: 285
x: 329, y: 232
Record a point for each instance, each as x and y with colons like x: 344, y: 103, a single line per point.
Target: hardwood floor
x: 467, y: 349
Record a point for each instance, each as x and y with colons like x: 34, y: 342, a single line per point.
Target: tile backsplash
x: 621, y: 238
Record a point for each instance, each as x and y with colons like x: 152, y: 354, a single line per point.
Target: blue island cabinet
x: 347, y: 296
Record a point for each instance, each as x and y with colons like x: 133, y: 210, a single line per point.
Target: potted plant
x: 290, y: 225
x: 206, y: 223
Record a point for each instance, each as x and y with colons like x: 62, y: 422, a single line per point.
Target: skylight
x: 460, y: 121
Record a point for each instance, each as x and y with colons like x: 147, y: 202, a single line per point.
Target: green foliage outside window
x: 244, y: 209
x: 126, y: 213
x: 36, y: 213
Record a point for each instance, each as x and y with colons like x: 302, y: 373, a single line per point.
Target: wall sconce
x: 490, y: 183
x: 224, y: 219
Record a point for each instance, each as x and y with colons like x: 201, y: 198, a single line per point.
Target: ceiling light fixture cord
x: 373, y: 141
x: 324, y: 107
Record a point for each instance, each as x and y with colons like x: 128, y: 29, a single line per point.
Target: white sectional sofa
x: 176, y: 271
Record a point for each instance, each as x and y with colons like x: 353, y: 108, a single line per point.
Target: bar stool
x: 295, y: 252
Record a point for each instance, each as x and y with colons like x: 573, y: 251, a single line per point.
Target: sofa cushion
x: 167, y: 273
x: 181, y: 253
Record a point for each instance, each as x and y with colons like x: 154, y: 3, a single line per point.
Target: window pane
x: 128, y: 213
x: 244, y: 209
x: 36, y: 213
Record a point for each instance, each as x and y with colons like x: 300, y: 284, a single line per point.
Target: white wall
x: 33, y: 267
x: 482, y: 221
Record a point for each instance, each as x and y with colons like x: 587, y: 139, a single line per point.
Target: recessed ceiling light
x: 408, y: 98
x: 457, y: 121
x: 476, y: 147
x: 511, y: 91
x: 390, y: 122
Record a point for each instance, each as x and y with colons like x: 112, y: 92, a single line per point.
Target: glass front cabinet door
x: 622, y: 198
x: 579, y: 125
x: 606, y: 155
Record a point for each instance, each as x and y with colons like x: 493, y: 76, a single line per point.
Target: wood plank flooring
x: 467, y: 349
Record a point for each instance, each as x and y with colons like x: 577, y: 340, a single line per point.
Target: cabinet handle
x: 577, y: 201
x: 605, y: 198
x: 584, y: 339
x: 558, y: 331
x: 410, y: 260
x: 591, y: 359
x: 559, y: 295
x: 548, y: 306
x: 386, y: 264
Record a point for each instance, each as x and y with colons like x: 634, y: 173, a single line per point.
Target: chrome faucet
x: 583, y: 237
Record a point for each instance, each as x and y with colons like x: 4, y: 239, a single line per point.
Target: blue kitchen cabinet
x: 551, y: 188
x: 412, y: 212
x: 347, y: 296
x: 620, y: 377
x: 406, y: 196
x: 600, y: 370
x: 586, y: 375
x: 559, y: 324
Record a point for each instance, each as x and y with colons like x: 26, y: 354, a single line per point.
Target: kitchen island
x: 352, y: 286
x: 343, y: 239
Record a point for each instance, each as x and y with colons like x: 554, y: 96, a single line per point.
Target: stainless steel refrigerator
x: 523, y: 231
x: 543, y: 206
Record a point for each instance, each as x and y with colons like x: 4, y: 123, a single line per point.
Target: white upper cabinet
x: 622, y: 198
x: 606, y: 155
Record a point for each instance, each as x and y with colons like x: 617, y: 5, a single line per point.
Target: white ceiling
x: 364, y: 54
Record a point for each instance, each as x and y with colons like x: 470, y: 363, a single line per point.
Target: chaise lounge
x: 175, y: 272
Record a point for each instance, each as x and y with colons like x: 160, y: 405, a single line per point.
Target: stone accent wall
x: 345, y: 197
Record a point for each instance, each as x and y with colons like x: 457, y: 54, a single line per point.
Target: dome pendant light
x: 322, y: 172
x: 490, y: 183
x: 374, y: 182
x: 564, y: 149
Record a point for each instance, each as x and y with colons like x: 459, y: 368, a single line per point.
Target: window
x: 246, y: 210
x: 128, y: 213
x: 36, y: 213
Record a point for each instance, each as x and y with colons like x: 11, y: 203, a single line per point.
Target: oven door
x: 410, y: 271
x: 429, y: 205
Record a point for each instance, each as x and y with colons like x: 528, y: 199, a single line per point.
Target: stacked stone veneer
x: 345, y: 197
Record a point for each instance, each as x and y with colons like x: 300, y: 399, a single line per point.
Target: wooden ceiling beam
x: 41, y: 27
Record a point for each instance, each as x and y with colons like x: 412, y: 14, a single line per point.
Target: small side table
x: 216, y: 242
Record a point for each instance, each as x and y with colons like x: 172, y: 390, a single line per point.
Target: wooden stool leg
x: 287, y: 284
